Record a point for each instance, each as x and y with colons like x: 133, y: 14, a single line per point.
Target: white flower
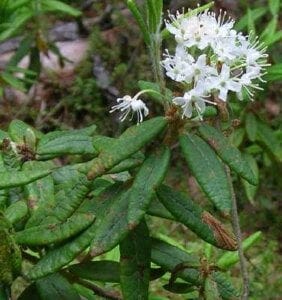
x: 195, y: 98
x: 224, y: 83
x: 133, y: 105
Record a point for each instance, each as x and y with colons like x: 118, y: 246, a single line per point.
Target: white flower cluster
x: 211, y: 59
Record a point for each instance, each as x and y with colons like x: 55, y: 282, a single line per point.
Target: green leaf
x: 16, y: 212
x: 19, y: 178
x: 135, y: 256
x: 22, y: 51
x: 110, y: 226
x: 156, y: 95
x: 65, y: 142
x: 194, y: 217
x: 251, y: 23
x: 127, y: 144
x: 157, y: 209
x: 59, y: 7
x: 55, y: 259
x: 130, y: 163
x: 17, y: 131
x: 269, y: 30
x: 229, y: 259
x: 251, y: 126
x: 237, y: 137
x: 211, y: 290
x: 29, y: 293
x: 227, y: 152
x: 54, y: 233
x: 56, y: 287
x: 169, y: 257
x: 139, y: 19
x: 104, y: 270
x: 256, y: 14
x: 208, y: 170
x: 12, y: 80
x: 225, y: 287
x: 148, y: 178
x: 249, y: 188
x: 266, y: 136
x: 274, y: 6
x: 151, y: 16
x: 274, y: 72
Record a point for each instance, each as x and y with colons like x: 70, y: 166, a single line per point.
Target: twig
x: 96, y: 289
x: 238, y: 234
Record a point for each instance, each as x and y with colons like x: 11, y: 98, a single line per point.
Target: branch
x: 238, y: 234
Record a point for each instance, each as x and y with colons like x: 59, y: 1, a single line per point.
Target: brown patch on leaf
x: 224, y: 238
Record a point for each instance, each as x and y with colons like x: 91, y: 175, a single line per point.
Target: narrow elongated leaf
x: 249, y: 188
x: 56, y: 287
x: 16, y: 212
x: 104, y: 270
x: 151, y: 16
x: 111, y: 224
x: 60, y: 7
x: 127, y: 144
x: 148, y: 178
x: 54, y: 233
x: 266, y: 136
x: 179, y: 288
x: 228, y: 259
x: 251, y: 126
x: 17, y: 131
x: 59, y: 257
x: 274, y: 6
x: 257, y: 13
x: 156, y: 94
x: 131, y: 4
x: 194, y: 217
x: 157, y: 209
x: 135, y: 257
x: 128, y: 164
x: 19, y: 178
x: 274, y: 72
x: 227, y: 152
x: 225, y: 287
x: 208, y: 170
x: 169, y: 257
x: 60, y: 143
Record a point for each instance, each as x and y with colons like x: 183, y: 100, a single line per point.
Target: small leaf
x: 157, y: 209
x: 257, y: 13
x: 266, y: 136
x: 249, y: 188
x: 104, y: 270
x: 169, y: 257
x: 60, y: 7
x: 179, y: 288
x: 17, y: 131
x: 19, y: 178
x: 148, y: 178
x: 156, y: 95
x: 208, y: 170
x: 227, y: 152
x: 251, y: 126
x: 56, y: 287
x: 190, y: 214
x: 130, y: 163
x: 237, y: 137
x: 54, y: 233
x: 135, y: 256
x: 274, y: 73
x: 55, y: 259
x: 225, y: 287
x: 274, y: 6
x: 16, y: 212
x: 228, y: 259
x: 127, y: 144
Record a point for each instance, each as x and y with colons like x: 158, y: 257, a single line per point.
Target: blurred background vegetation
x: 63, y: 68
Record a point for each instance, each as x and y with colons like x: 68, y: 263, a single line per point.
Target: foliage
x: 70, y: 200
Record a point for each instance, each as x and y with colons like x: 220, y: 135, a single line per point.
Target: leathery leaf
x: 55, y: 259
x: 171, y: 258
x: 18, y: 178
x: 127, y: 144
x: 135, y: 257
x: 208, y: 171
x: 66, y: 142
x: 16, y: 212
x: 111, y: 224
x: 56, y: 287
x: 148, y: 178
x: 194, y: 217
x: 225, y: 287
x: 54, y: 233
x: 227, y: 152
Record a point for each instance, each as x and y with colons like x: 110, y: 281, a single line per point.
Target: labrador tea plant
x: 57, y: 221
